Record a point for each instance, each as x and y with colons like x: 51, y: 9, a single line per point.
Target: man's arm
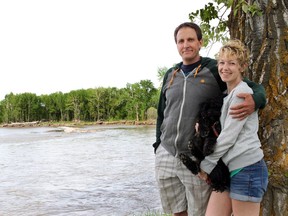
x: 259, y: 94
x: 160, y: 112
x: 160, y: 117
x: 251, y: 102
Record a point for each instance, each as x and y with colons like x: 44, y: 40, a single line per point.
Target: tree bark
x: 266, y: 36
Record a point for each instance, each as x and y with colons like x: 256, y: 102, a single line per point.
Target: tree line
x: 94, y: 104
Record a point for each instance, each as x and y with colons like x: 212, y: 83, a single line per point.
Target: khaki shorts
x: 180, y: 190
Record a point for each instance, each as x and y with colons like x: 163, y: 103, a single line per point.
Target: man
x: 185, y: 87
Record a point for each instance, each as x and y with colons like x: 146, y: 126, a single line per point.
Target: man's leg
x: 172, y: 191
x: 197, y: 191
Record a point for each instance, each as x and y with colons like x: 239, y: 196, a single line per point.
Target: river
x: 95, y: 170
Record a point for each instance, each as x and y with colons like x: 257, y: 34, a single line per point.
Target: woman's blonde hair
x: 235, y: 48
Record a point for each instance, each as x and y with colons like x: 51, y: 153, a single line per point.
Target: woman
x: 238, y: 144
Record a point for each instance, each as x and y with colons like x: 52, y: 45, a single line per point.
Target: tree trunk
x: 266, y: 36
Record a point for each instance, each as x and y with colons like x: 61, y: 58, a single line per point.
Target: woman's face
x: 229, y: 69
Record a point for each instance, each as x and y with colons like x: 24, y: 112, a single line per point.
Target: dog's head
x: 209, y: 115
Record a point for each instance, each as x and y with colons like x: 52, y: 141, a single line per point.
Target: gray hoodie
x: 183, y: 95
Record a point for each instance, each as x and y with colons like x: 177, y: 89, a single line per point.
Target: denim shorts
x: 250, y: 183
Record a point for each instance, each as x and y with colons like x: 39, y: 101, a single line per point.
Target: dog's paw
x: 190, y: 145
x: 184, y: 158
x: 193, y: 166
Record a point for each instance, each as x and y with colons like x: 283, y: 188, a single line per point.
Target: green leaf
x: 245, y: 8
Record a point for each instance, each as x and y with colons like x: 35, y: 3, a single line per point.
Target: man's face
x: 188, y: 45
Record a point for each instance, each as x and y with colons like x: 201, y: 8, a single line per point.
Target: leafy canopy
x: 213, y: 18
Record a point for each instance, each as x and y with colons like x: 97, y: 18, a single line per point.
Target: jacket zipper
x: 181, y: 109
x: 180, y: 116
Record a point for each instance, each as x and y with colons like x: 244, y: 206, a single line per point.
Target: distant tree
x: 113, y: 101
x: 1, y: 111
x: 146, y: 95
x: 47, y: 108
x: 75, y: 103
x: 29, y: 105
x: 152, y: 113
x: 9, y: 108
x: 140, y: 96
x: 96, y: 103
x: 161, y: 72
x: 59, y: 100
x: 122, y: 104
x: 133, y: 107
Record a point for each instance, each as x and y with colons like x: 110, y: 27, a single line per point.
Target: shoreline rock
x: 76, y: 123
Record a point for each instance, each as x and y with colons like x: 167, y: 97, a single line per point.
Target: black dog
x: 203, y: 143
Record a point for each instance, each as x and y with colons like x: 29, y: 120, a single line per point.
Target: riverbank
x: 76, y: 123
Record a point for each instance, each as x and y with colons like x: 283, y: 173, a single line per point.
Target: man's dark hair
x: 188, y: 25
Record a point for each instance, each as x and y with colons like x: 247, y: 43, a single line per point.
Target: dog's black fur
x: 203, y: 143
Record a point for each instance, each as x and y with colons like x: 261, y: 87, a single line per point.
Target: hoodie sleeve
x: 259, y: 94
x: 160, y: 111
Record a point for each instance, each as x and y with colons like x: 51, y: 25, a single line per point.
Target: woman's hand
x: 197, y: 127
x: 202, y: 175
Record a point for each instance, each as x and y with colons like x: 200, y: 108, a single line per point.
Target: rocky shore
x: 75, y: 123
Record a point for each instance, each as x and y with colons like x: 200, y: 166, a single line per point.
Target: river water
x: 95, y: 170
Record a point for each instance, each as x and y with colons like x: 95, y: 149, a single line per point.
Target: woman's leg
x: 219, y: 204
x: 241, y: 208
x: 247, y: 189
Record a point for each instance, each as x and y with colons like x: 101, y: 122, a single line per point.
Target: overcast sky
x: 62, y: 45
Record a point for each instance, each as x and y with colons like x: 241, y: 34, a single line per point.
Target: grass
x: 154, y: 214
